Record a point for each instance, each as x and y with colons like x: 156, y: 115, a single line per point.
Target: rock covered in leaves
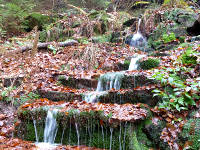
x: 114, y: 112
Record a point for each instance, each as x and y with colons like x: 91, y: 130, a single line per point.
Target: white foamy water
x: 46, y: 146
x: 134, y: 62
x: 50, y: 130
x: 92, y: 97
x: 108, y: 81
x: 138, y: 40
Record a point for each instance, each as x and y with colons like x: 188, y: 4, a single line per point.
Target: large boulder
x: 177, y: 21
x: 195, y: 28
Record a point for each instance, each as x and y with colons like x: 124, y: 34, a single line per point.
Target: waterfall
x: 50, y: 127
x: 134, y: 62
x: 50, y: 132
x: 137, y: 40
x: 108, y: 81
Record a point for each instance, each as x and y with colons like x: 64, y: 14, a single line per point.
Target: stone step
x: 107, y: 112
x: 98, y: 125
x: 137, y: 95
x: 129, y: 79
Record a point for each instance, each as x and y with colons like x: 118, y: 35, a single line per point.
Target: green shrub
x: 188, y: 57
x: 181, y: 39
x: 149, y: 64
x: 13, y: 14
x: 168, y: 37
x: 36, y: 19
x: 176, y: 92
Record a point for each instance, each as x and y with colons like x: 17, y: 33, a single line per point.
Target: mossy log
x: 45, y: 45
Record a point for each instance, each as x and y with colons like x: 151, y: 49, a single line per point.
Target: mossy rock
x: 188, y: 58
x: 153, y: 133
x: 36, y: 19
x: 129, y: 96
x: 116, y: 37
x: 124, y: 65
x: 191, y: 134
x: 101, y: 39
x: 85, y: 127
x: 149, y: 64
x: 183, y: 17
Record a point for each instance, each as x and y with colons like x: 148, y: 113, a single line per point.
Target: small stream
x: 108, y: 81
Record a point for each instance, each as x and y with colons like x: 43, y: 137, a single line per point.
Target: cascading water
x: 134, y: 65
x: 50, y: 131
x: 50, y: 127
x: 137, y: 40
x: 111, y: 80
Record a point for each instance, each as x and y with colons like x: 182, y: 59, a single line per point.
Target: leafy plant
x: 13, y: 14
x: 168, y: 37
x: 6, y: 94
x: 176, y: 94
x: 188, y: 57
x: 149, y: 64
x: 29, y: 96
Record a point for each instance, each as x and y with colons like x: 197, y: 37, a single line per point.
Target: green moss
x: 91, y: 134
x: 149, y: 64
x: 182, y: 39
x: 101, y: 39
x: 157, y: 44
x: 135, y: 143
x: 168, y: 37
x: 67, y: 82
x: 30, y: 130
x: 191, y: 132
x: 141, y: 136
x: 189, y: 59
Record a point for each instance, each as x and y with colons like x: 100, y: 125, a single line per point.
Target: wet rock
x: 129, y: 96
x: 130, y: 22
x: 153, y: 132
x: 182, y: 17
x: 77, y: 120
x: 57, y: 95
x: 127, y: 81
x: 194, y: 38
x: 194, y: 30
x: 78, y: 82
x: 191, y: 130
